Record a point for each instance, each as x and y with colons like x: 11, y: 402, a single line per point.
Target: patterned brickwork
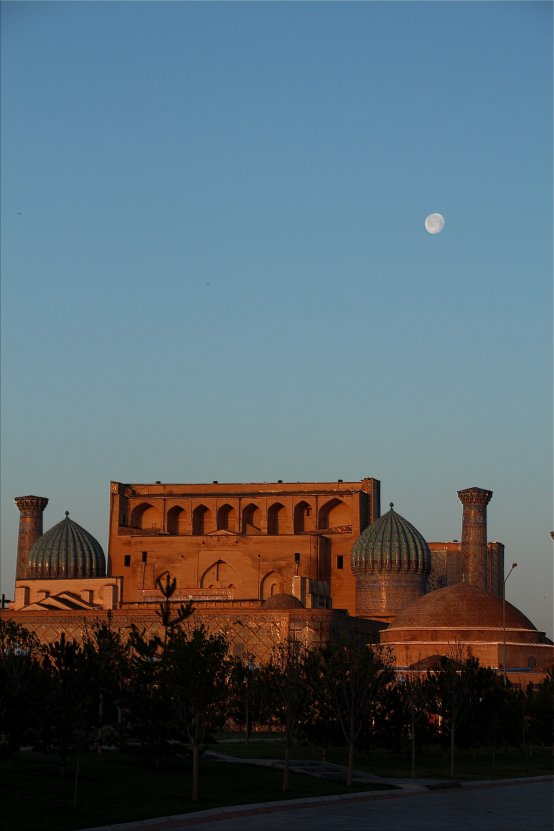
x: 251, y: 632
x: 474, y: 535
x: 382, y: 596
x: 30, y: 528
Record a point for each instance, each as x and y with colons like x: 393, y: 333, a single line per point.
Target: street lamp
x: 514, y: 565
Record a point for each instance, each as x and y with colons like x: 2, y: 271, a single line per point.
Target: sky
x: 215, y: 266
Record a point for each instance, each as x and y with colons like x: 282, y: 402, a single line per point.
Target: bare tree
x: 453, y: 682
x: 414, y: 692
x: 357, y: 672
x: 195, y: 674
x: 287, y: 678
x: 170, y: 614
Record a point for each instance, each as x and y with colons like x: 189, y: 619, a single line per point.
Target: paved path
x: 509, y: 805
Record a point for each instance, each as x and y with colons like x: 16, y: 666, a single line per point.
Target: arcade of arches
x: 238, y: 542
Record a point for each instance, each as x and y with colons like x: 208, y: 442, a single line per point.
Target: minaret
x: 30, y: 528
x: 474, y: 535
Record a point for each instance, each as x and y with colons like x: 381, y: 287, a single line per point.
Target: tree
x: 20, y: 682
x: 357, y: 672
x: 414, y: 694
x: 540, y: 706
x: 245, y: 700
x: 105, y: 656
x: 145, y: 697
x: 319, y: 720
x: 170, y: 615
x: 66, y: 703
x: 484, y: 716
x: 456, y: 685
x: 195, y: 673
x: 286, y: 674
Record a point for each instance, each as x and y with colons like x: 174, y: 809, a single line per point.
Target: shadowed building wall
x: 446, y: 566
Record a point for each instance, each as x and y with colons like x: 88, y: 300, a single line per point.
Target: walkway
x: 416, y: 805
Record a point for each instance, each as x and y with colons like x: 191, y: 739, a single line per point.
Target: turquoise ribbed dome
x: 390, y: 544
x: 66, y: 550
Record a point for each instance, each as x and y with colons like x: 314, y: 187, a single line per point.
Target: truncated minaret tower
x: 30, y: 528
x: 474, y: 535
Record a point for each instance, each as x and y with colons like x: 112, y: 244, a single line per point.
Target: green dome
x: 66, y: 550
x: 390, y: 544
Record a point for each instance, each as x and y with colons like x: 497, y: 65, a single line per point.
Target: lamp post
x: 514, y: 565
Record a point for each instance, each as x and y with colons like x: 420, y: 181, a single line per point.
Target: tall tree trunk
x: 195, y: 755
x: 452, y: 741
x: 100, y: 720
x: 247, y: 724
x: 350, y: 770
x: 413, y: 748
x: 286, y: 765
x: 76, y: 783
x: 351, y: 740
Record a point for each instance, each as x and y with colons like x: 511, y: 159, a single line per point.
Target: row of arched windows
x: 252, y: 520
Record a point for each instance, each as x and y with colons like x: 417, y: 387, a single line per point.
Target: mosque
x: 265, y: 561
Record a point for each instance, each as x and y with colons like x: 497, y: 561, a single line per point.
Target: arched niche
x: 219, y: 575
x: 272, y: 583
x: 303, y: 520
x: 146, y: 517
x: 176, y: 520
x: 277, y: 520
x: 226, y: 518
x: 334, y: 513
x: 251, y: 519
x: 201, y: 519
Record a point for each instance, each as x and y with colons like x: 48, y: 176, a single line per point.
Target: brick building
x: 240, y: 541
x: 267, y: 561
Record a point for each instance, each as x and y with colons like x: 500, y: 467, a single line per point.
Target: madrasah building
x: 266, y: 561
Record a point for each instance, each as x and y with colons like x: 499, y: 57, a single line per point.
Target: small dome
x: 282, y: 601
x: 66, y: 550
x: 460, y: 606
x: 390, y: 544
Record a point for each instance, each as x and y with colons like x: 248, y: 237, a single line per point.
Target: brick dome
x: 390, y: 544
x: 66, y: 550
x: 463, y: 621
x: 282, y: 601
x: 460, y: 606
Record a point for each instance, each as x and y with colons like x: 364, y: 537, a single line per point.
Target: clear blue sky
x: 214, y: 264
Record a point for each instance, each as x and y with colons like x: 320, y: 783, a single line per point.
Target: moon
x: 434, y: 223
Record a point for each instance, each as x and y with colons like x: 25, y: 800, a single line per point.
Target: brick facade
x: 251, y: 630
x: 238, y: 541
x: 474, y: 535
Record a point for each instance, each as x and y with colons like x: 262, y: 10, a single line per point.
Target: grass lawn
x: 430, y: 762
x: 117, y: 787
